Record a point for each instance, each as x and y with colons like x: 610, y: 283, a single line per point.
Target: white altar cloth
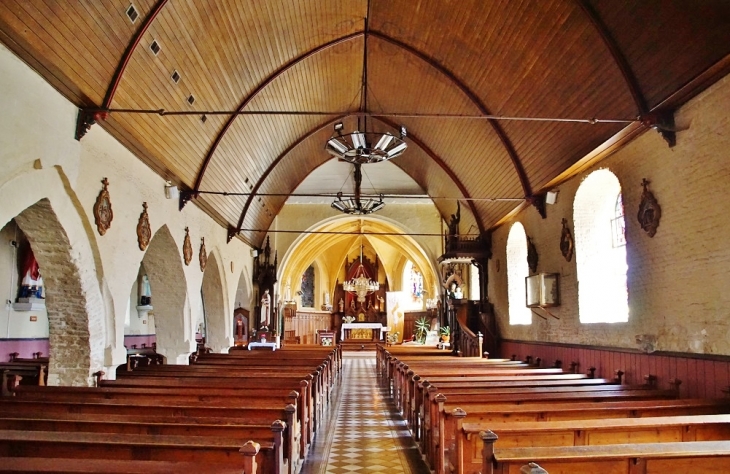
x: 362, y: 326
x: 272, y: 345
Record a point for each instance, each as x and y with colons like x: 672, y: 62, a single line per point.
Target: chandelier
x: 355, y: 204
x: 366, y: 147
x: 361, y: 284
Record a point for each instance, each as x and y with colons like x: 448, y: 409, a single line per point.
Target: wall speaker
x: 171, y: 191
x: 551, y: 197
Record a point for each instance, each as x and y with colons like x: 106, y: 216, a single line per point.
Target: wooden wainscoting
x: 305, y: 324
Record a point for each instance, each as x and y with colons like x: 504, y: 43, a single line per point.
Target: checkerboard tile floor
x: 363, y: 434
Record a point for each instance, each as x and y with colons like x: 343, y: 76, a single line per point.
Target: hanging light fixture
x: 362, y: 146
x: 361, y: 284
x: 355, y: 204
x: 365, y: 147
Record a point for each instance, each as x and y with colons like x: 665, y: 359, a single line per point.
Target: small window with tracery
x: 618, y: 224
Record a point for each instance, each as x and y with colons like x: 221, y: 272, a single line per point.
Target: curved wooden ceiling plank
x: 524, y: 59
x: 667, y: 43
x: 438, y: 160
x: 269, y: 80
x: 617, y: 55
x: 129, y: 51
x: 276, y: 162
x: 519, y: 170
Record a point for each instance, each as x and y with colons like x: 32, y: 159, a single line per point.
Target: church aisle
x: 364, y: 433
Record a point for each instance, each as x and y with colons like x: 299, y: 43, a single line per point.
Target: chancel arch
x: 343, y: 239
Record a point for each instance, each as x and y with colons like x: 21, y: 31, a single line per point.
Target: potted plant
x: 422, y: 327
x: 445, y: 333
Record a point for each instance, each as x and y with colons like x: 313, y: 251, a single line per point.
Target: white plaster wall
x: 16, y: 324
x: 678, y: 280
x: 41, y: 159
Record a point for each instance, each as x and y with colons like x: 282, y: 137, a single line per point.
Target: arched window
x: 413, y: 285
x: 517, y: 271
x: 600, y: 250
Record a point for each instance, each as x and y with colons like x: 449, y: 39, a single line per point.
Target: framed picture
x: 542, y: 290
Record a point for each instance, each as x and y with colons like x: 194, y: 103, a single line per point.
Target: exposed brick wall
x: 678, y: 279
x: 73, y: 301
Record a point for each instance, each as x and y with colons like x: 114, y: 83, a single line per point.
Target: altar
x: 363, y: 331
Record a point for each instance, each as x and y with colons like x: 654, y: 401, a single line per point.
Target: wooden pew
x: 443, y: 421
x: 468, y: 458
x: 134, y: 447
x: 647, y: 458
x: 311, y: 400
x: 87, y: 466
x: 236, y: 434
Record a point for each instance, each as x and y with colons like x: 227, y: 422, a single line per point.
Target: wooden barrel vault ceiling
x: 428, y: 62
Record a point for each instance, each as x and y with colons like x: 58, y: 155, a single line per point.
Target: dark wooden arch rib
x: 506, y: 142
x: 131, y: 47
x: 616, y: 54
x: 439, y: 161
x: 259, y: 88
x: 431, y: 154
x: 275, y: 163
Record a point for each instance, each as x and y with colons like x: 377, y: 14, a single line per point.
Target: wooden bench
x: 443, y: 421
x: 84, y: 466
x: 499, y: 414
x: 467, y: 456
x: 310, y: 390
x: 136, y: 447
x: 142, y: 356
x: 648, y: 458
x: 253, y: 412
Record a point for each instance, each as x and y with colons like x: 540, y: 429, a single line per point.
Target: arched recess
x: 168, y: 284
x: 218, y: 329
x: 76, y: 312
x: 309, y: 246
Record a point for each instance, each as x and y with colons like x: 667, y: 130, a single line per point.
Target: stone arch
x: 217, y: 327
x: 163, y: 264
x: 243, y: 291
x: 76, y: 310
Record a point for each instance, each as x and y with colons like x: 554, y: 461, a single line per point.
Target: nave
x: 363, y: 431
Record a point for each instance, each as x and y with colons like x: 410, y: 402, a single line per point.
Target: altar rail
x: 305, y: 325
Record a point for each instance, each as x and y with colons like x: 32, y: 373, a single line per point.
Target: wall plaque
x: 103, y: 214
x: 203, y: 255
x: 649, y: 210
x: 144, y: 233
x: 532, y: 257
x: 187, y: 248
x: 566, y: 242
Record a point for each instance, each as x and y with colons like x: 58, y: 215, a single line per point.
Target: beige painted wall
x: 678, y: 280
x: 41, y: 159
x: 410, y: 218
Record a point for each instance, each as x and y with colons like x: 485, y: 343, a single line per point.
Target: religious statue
x: 453, y: 235
x: 342, y: 306
x: 145, y: 292
x: 32, y: 283
x: 327, y: 299
x: 265, y: 308
x: 287, y: 292
x: 458, y: 294
x: 239, y: 328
